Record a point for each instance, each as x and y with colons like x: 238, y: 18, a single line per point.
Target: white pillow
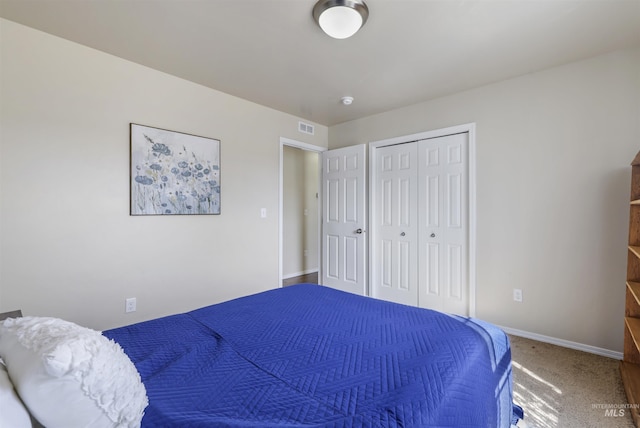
x: 70, y: 376
x: 13, y: 412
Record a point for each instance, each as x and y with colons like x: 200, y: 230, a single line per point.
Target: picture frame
x: 173, y: 173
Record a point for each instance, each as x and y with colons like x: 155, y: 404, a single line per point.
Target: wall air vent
x: 305, y: 128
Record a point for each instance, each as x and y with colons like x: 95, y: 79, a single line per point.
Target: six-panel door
x: 344, y: 219
x: 420, y: 253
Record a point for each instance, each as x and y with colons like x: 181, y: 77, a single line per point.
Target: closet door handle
x: 359, y: 231
x: 402, y: 233
x: 433, y: 235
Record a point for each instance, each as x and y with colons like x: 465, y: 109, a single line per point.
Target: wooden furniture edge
x: 630, y: 374
x: 634, y: 287
x: 634, y: 328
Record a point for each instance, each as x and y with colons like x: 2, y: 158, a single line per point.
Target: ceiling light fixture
x: 340, y: 19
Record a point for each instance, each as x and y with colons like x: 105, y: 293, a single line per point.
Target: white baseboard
x: 293, y: 275
x: 566, y: 343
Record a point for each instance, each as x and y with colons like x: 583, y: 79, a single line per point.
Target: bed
x: 299, y: 356
x: 308, y: 355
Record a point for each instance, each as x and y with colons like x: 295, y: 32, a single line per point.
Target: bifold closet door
x: 443, y: 218
x: 420, y: 255
x: 395, y: 273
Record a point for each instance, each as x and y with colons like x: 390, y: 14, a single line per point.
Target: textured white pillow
x: 71, y: 376
x: 12, y: 412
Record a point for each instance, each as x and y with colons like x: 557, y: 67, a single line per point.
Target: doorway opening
x: 300, y: 209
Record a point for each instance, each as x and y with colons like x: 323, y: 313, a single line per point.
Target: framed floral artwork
x: 173, y: 173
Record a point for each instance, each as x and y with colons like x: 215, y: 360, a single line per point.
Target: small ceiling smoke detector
x: 347, y: 101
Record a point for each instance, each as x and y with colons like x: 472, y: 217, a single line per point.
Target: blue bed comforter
x: 312, y: 356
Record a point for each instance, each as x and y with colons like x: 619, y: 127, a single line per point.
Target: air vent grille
x: 305, y: 128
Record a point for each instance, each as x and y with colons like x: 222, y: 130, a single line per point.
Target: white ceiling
x: 272, y: 52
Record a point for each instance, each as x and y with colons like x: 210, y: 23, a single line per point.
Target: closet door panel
x: 395, y: 271
x: 443, y: 230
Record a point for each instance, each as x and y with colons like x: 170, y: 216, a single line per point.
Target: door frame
x: 470, y: 129
x: 308, y: 147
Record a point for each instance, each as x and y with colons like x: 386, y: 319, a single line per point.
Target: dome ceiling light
x: 340, y: 19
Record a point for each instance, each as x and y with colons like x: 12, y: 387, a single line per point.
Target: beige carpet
x: 563, y: 388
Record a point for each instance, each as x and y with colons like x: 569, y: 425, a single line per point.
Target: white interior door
x: 420, y: 230
x: 344, y: 214
x: 443, y: 216
x: 395, y: 271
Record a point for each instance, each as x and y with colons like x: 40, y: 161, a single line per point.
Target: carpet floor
x: 563, y: 388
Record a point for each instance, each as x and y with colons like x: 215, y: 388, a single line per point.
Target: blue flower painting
x: 173, y: 173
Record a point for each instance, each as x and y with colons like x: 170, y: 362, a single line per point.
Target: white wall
x: 68, y: 245
x: 300, y: 230
x: 553, y: 176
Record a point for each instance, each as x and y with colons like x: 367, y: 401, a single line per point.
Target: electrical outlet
x: 517, y: 295
x: 130, y: 304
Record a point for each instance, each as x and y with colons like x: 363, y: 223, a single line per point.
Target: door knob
x: 402, y: 234
x: 359, y: 231
x: 433, y: 235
